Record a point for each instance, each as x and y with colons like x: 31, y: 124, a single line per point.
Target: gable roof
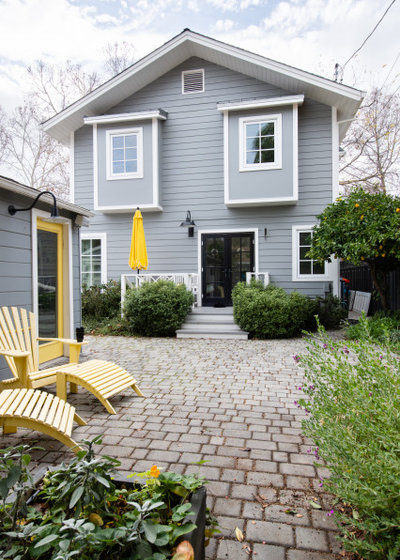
x: 188, y: 44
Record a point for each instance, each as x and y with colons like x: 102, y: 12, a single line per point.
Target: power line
x: 337, y: 66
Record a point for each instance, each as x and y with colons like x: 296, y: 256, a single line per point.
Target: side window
x: 124, y: 154
x: 260, y: 143
x: 93, y: 259
x: 305, y: 268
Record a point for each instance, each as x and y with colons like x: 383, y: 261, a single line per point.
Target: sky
x: 309, y: 34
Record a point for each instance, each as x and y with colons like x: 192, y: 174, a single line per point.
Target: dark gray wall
x: 192, y: 177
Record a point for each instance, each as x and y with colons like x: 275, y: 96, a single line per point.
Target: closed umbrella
x: 138, y: 255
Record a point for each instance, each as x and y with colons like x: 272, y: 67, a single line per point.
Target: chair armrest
x: 63, y: 340
x: 14, y: 353
x: 74, y: 347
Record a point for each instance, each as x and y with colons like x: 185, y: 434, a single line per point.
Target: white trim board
x: 179, y: 49
x: 261, y: 103
x: 126, y: 117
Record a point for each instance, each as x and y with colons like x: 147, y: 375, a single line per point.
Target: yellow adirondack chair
x: 40, y: 411
x: 19, y: 346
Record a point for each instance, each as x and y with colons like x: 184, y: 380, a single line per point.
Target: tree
x: 32, y: 156
x: 372, y: 146
x: 361, y: 228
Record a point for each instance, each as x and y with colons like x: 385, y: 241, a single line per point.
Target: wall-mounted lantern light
x: 189, y: 223
x: 54, y: 214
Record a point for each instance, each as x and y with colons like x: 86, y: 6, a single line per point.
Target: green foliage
x: 382, y: 327
x: 362, y: 227
x: 269, y: 312
x: 157, y: 308
x: 330, y: 312
x: 352, y: 397
x: 101, y: 302
x: 80, y: 512
x: 110, y: 326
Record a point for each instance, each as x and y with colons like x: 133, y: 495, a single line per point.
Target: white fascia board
x: 196, y: 45
x: 125, y: 117
x: 261, y: 103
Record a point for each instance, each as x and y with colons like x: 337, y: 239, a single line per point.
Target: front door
x: 49, y: 286
x: 226, y: 257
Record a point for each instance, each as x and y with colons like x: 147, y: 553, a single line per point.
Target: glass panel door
x: 49, y: 288
x: 226, y: 258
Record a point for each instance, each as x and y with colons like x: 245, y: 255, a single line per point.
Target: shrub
x: 381, y: 327
x: 269, y: 312
x: 330, y: 312
x: 103, y: 301
x: 352, y: 396
x: 157, y: 308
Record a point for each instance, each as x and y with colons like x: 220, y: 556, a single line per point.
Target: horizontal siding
x: 192, y: 175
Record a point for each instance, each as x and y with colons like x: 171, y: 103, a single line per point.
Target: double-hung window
x: 305, y: 268
x: 93, y: 260
x: 260, y: 142
x: 125, y: 154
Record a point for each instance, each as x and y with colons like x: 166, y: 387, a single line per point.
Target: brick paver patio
x: 229, y: 403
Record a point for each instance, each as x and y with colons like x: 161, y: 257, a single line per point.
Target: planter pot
x: 198, y: 515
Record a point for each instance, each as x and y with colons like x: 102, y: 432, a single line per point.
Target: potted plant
x: 82, y: 510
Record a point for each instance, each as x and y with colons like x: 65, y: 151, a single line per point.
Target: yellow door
x: 50, y: 288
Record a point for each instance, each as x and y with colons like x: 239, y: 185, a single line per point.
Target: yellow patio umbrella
x: 138, y: 255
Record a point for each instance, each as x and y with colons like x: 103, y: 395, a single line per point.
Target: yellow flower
x: 356, y: 205
x: 154, y: 471
x: 362, y: 258
x: 397, y: 210
x: 381, y: 247
x: 362, y: 217
x: 383, y: 255
x: 96, y: 519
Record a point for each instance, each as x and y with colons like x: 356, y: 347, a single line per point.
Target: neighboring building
x: 39, y: 263
x: 249, y: 145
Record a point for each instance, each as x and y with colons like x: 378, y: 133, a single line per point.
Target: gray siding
x: 192, y: 177
x: 16, y: 261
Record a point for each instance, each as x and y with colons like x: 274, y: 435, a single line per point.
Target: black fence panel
x: 361, y: 281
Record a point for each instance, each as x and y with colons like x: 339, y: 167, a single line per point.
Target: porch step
x: 209, y: 322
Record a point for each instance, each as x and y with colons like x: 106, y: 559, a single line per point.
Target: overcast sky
x: 308, y: 34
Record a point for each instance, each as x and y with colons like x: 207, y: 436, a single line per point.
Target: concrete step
x: 211, y: 322
x: 205, y: 333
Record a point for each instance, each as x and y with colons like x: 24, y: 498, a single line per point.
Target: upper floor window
x: 125, y: 153
x: 260, y: 142
x: 305, y: 268
x: 193, y: 81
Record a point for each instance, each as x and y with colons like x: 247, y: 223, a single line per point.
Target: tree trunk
x: 379, y: 278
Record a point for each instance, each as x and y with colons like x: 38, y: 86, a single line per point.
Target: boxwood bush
x: 157, y: 308
x: 270, y: 312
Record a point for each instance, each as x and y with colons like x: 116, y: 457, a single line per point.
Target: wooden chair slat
x: 24, y: 403
x: 32, y: 403
x: 38, y: 406
x: 45, y: 408
x: 102, y: 378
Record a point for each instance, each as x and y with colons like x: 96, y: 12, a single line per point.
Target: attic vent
x: 193, y: 81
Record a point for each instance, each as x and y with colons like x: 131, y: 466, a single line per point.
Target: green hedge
x: 270, y: 312
x: 101, y: 302
x: 157, y: 309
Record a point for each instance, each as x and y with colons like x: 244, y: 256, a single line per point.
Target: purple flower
x: 321, y: 482
x: 346, y: 350
x: 295, y: 402
x: 300, y: 388
x: 381, y: 357
x: 324, y: 346
x: 296, y: 358
x: 370, y: 394
x: 308, y: 450
x: 330, y: 513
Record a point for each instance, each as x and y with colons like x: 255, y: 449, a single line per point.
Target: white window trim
x: 296, y: 276
x: 103, y: 239
x: 122, y: 176
x: 277, y: 164
x: 183, y: 81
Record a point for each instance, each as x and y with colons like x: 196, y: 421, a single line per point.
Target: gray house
x: 247, y: 145
x: 39, y: 262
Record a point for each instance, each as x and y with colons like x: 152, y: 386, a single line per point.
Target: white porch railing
x: 191, y: 281
x: 262, y: 276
